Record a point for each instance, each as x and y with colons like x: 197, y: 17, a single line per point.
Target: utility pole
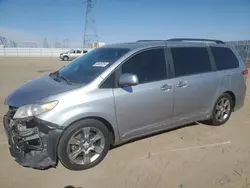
x: 90, y: 33
x: 65, y: 43
x: 45, y: 43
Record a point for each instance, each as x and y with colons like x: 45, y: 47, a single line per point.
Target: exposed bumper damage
x: 32, y: 142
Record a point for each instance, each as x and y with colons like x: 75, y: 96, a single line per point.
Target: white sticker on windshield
x: 100, y: 64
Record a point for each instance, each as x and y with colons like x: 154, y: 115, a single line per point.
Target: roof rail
x: 196, y: 39
x: 150, y: 41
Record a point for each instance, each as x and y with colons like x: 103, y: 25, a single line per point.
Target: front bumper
x: 32, y: 142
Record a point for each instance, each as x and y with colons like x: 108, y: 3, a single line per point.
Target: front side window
x: 78, y: 51
x: 72, y: 52
x: 148, y: 65
x: 224, y: 58
x: 190, y: 60
x: 85, y: 68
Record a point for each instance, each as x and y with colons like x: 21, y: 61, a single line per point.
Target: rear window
x: 190, y: 60
x: 224, y: 58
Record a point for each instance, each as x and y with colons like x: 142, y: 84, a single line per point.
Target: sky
x: 124, y: 20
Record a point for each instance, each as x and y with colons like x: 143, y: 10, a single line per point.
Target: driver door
x: 148, y: 106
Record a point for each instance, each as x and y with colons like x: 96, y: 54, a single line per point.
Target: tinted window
x: 190, y: 60
x: 149, y: 65
x: 85, y: 68
x: 78, y: 51
x: 224, y: 58
x: 72, y: 52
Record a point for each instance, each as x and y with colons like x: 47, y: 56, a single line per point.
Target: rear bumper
x: 31, y: 142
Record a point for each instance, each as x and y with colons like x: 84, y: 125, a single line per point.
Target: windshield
x: 85, y: 68
x: 68, y: 51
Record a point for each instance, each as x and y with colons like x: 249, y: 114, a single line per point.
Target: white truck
x: 72, y: 54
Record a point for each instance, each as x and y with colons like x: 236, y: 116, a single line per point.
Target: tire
x: 65, y: 58
x: 213, y: 119
x: 66, y: 149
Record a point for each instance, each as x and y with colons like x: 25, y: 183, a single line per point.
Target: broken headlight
x: 34, y: 109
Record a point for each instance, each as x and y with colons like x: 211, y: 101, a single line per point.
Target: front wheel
x: 222, y: 110
x: 84, y: 144
x: 65, y: 58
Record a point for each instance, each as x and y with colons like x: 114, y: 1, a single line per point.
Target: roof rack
x: 150, y: 41
x: 196, y: 39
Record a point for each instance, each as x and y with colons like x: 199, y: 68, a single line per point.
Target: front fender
x: 64, y: 117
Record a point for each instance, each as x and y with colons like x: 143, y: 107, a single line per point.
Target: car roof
x: 171, y: 43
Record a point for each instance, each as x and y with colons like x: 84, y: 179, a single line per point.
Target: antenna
x: 90, y: 33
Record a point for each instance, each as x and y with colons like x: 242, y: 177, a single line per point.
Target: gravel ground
x: 189, y: 157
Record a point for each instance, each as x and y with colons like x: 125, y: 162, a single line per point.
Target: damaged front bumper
x: 32, y: 142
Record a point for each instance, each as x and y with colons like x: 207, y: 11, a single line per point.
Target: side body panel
x: 143, y: 108
x: 195, y: 94
x: 232, y: 80
x: 195, y: 101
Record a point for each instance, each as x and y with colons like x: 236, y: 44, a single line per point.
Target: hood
x: 36, y: 90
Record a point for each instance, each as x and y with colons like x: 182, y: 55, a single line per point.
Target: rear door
x: 148, y: 106
x: 78, y: 53
x: 195, y: 83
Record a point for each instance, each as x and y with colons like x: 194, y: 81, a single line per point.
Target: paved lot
x: 195, y: 156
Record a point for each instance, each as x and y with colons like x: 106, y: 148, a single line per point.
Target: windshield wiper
x: 65, y: 79
x: 56, y: 74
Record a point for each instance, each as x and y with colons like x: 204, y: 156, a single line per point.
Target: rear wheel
x: 84, y: 144
x: 222, y: 110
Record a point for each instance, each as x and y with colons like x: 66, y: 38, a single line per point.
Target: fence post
x: 4, y: 51
x: 248, y: 47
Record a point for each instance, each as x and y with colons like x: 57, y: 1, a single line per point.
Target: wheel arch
x: 65, y: 56
x: 101, y: 119
x: 233, y: 97
x: 104, y: 121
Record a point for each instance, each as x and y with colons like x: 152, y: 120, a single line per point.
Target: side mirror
x: 128, y: 79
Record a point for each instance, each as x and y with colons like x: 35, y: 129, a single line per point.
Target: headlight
x: 34, y: 109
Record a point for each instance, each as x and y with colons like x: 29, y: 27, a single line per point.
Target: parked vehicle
x: 120, y: 92
x: 72, y: 54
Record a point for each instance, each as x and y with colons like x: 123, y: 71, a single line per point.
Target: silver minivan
x: 120, y: 92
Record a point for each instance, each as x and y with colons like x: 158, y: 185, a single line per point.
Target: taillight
x: 245, y: 72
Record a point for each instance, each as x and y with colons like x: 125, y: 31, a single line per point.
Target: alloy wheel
x: 223, y: 109
x: 85, y: 145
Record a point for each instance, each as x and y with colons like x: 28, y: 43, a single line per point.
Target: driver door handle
x: 182, y: 84
x: 166, y: 87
